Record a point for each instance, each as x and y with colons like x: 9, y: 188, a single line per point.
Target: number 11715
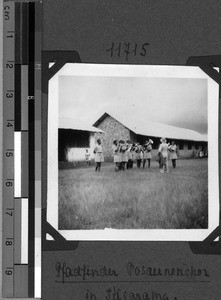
x: 127, y: 49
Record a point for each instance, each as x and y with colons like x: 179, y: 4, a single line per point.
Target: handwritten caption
x: 127, y: 50
x: 115, y: 293
x: 132, y: 273
x: 85, y: 272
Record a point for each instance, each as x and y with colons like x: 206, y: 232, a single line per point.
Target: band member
x: 116, y: 154
x: 173, y: 153
x: 163, y: 150
x: 147, y: 152
x: 143, y: 156
x: 123, y: 154
x: 130, y: 155
x: 139, y: 156
x: 98, y: 155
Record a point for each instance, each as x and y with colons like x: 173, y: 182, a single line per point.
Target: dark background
x: 175, y: 29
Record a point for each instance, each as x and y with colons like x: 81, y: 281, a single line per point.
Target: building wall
x: 185, y: 152
x: 190, y: 147
x: 78, y: 154
x: 133, y: 137
x: 113, y: 130
x: 72, y: 145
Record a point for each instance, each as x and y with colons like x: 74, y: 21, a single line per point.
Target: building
x: 74, y: 137
x: 139, y: 130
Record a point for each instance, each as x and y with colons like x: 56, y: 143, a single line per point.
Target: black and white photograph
x: 131, y: 149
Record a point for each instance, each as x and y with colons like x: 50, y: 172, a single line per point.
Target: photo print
x: 132, y: 153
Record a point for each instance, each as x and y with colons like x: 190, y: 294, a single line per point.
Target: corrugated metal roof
x: 67, y: 123
x: 154, y: 129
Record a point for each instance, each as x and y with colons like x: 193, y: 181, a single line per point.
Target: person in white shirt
x: 147, y: 152
x: 163, y: 150
x: 98, y: 155
x: 173, y: 153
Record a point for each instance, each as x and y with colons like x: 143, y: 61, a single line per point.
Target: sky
x: 179, y: 102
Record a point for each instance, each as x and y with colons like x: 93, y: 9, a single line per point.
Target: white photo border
x: 76, y: 69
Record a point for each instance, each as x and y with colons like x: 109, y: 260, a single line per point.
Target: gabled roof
x: 67, y: 123
x: 154, y: 129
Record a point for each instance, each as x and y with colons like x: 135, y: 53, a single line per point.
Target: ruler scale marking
x: 18, y: 18
x: 22, y: 147
x: 8, y: 143
x: 21, y: 284
x: 17, y: 143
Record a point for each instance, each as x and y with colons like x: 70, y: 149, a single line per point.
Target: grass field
x: 134, y: 199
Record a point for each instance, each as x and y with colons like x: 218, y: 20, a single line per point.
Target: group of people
x: 163, y: 154
x: 200, y: 153
x: 125, y: 153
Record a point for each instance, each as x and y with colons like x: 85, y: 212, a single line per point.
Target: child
x: 87, y: 158
x: 160, y: 160
x: 98, y: 155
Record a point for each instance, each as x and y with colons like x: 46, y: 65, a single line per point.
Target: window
x: 181, y: 146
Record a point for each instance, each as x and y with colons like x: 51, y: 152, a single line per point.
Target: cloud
x: 179, y: 102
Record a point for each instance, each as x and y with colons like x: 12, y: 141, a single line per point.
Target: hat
x: 163, y: 140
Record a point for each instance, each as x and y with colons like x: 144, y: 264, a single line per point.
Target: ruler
x: 8, y: 151
x: 21, y: 245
